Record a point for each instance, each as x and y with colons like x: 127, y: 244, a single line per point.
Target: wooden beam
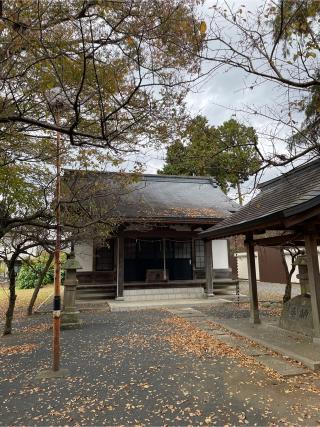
x: 209, y: 268
x: 314, y: 282
x: 160, y: 233
x: 311, y: 214
x: 120, y: 267
x: 279, y: 240
x: 254, y: 307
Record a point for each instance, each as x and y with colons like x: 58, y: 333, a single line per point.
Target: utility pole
x: 57, y: 103
x: 57, y: 259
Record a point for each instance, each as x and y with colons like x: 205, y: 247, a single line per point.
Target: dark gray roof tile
x: 283, y: 196
x: 162, y: 196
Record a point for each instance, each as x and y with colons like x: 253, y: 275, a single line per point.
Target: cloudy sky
x: 219, y: 99
x: 222, y: 95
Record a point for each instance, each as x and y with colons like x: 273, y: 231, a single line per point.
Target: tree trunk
x: 239, y: 194
x: 39, y: 284
x: 289, y: 274
x: 288, y: 288
x: 12, y: 297
x: 287, y: 293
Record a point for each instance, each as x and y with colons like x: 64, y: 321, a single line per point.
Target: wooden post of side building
x: 314, y: 282
x: 120, y: 267
x: 209, y: 268
x: 252, y: 278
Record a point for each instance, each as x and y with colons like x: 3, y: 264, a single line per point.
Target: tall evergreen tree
x: 227, y: 152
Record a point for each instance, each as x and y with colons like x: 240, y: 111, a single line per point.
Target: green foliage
x: 3, y: 267
x: 296, y: 24
x: 30, y: 272
x: 96, y: 53
x: 293, y: 18
x: 239, y: 158
x: 121, y: 77
x: 227, y: 152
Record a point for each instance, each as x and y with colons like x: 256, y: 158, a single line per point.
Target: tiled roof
x: 162, y: 197
x: 287, y: 195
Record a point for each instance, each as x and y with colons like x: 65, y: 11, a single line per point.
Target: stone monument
x: 296, y: 314
x: 70, y: 315
x: 301, y: 262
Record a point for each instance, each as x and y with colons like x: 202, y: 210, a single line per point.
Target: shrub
x: 29, y: 273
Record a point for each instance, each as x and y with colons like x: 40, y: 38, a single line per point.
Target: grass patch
x: 23, y: 299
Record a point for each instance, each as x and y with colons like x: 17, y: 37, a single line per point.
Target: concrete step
x: 95, y: 296
x: 96, y: 290
x: 282, y: 367
x: 97, y: 305
x: 163, y: 294
x: 96, y: 286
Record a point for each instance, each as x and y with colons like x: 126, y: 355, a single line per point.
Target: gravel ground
x: 241, y: 310
x: 270, y: 302
x: 141, y: 368
x: 269, y: 291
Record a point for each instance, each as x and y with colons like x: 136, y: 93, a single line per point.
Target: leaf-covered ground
x: 144, y: 368
x: 23, y: 299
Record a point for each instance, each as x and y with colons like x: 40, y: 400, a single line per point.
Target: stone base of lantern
x: 70, y: 320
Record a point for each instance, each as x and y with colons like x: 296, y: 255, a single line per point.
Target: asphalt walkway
x: 144, y: 368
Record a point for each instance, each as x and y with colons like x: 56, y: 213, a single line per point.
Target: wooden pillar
x: 253, y: 291
x: 120, y: 267
x: 209, y: 268
x: 193, y: 258
x: 314, y: 282
x: 164, y: 260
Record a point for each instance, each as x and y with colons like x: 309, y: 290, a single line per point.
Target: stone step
x: 96, y: 286
x: 161, y: 297
x: 95, y: 296
x: 96, y: 290
x: 163, y: 294
x: 279, y: 365
x: 97, y: 305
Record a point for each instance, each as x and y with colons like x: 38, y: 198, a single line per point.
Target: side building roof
x: 154, y: 197
x: 280, y: 198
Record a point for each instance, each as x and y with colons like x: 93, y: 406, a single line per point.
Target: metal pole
x: 118, y: 265
x: 164, y: 260
x: 57, y: 261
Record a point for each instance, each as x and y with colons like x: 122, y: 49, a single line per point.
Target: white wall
x: 294, y: 276
x: 243, y: 269
x: 242, y: 265
x: 84, y: 254
x: 220, y: 254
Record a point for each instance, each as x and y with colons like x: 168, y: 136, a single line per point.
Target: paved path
x: 143, y: 368
x: 259, y: 340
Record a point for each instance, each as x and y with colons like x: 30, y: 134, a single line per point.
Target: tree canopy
x: 116, y: 67
x: 276, y: 41
x: 108, y: 76
x: 227, y: 152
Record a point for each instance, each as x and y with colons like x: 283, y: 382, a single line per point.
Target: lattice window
x: 199, y: 253
x: 182, y: 250
x: 105, y: 257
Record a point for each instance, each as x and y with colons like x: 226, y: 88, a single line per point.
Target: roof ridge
x: 209, y: 178
x: 289, y: 173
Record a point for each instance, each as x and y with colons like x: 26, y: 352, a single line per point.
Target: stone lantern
x: 301, y: 262
x: 70, y: 314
